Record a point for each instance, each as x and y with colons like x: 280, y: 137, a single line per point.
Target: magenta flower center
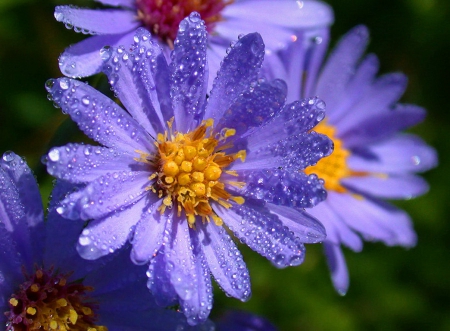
x: 47, y: 301
x: 162, y: 17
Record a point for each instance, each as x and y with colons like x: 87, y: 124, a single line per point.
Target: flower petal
x: 239, y: 68
x: 106, y: 194
x: 402, y: 153
x: 338, y: 267
x: 304, y: 226
x: 189, y: 73
x: 159, y: 282
x: 102, y: 21
x: 84, y: 59
x: 263, y: 232
x: 140, y: 79
x: 118, y: 3
x: 85, y: 163
x: 282, y: 187
x: 99, y: 117
x: 404, y: 186
x: 105, y: 235
x: 225, y: 261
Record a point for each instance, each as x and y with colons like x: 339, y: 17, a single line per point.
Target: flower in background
x: 277, y: 21
x: 46, y: 285
x: 177, y: 167
x: 372, y: 160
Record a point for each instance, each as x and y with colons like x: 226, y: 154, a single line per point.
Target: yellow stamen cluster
x: 333, y: 168
x: 189, y: 171
x: 46, y: 302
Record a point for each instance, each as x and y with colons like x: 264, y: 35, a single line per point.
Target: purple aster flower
x: 178, y: 166
x: 372, y: 161
x: 277, y: 21
x: 46, y: 285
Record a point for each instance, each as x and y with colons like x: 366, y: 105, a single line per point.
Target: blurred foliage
x: 391, y: 288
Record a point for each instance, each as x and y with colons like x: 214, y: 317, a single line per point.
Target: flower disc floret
x: 189, y: 170
x: 47, y: 301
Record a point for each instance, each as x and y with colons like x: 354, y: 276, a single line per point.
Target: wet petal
x: 117, y: 3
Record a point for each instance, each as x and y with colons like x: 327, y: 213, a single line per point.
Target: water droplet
x: 53, y: 155
x: 8, y: 156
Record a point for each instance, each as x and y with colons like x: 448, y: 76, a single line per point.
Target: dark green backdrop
x: 391, y: 288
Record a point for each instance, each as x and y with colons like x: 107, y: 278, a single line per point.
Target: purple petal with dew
x: 243, y: 321
x: 159, y: 282
x: 189, y: 73
x: 305, y: 227
x: 298, y: 151
x: 375, y: 220
x: 99, y: 117
x: 11, y: 261
x: 105, y: 235
x: 188, y: 272
x: 402, y: 153
x: 338, y: 232
x: 225, y: 261
x: 101, y: 21
x: 132, y: 75
x: 356, y: 88
x: 118, y: 3
x: 263, y: 232
x: 148, y: 235
x: 297, y: 117
x: 404, y: 186
x: 254, y: 107
x: 282, y: 187
x: 382, y: 125
x: 340, y: 66
x: 303, y: 14
x: 106, y: 194
x: 84, y: 58
x: 337, y: 266
x: 238, y: 69
x: 85, y: 163
x: 377, y: 101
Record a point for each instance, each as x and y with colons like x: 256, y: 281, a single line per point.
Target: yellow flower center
x: 189, y: 171
x: 48, y: 302
x: 333, y: 168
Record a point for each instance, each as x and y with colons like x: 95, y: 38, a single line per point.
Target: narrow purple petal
x: 340, y: 66
x: 263, y: 232
x: 282, y: 187
x: 338, y: 267
x: 106, y: 194
x: 243, y: 321
x: 189, y: 73
x: 225, y: 261
x: 402, y: 153
x: 304, y: 226
x: 102, y: 21
x: 11, y: 265
x: 84, y: 163
x: 148, y: 235
x: 382, y: 125
x: 105, y: 235
x: 99, y: 117
x: 159, y: 281
x: 404, y: 186
x: 118, y: 3
x: 133, y: 76
x: 84, y: 59
x: 239, y: 68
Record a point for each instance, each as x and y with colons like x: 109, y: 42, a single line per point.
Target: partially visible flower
x: 46, y: 285
x: 177, y: 166
x: 276, y: 20
x: 243, y: 321
x: 372, y: 161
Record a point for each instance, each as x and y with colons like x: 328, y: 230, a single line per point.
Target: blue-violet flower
x: 372, y: 160
x: 276, y: 20
x: 46, y: 285
x: 179, y: 165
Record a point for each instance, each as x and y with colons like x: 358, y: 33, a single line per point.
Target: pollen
x: 190, y: 171
x: 333, y: 168
x: 47, y: 301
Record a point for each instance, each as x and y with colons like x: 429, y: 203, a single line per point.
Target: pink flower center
x: 162, y: 17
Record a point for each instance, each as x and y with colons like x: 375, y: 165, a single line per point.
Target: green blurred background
x: 391, y: 288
